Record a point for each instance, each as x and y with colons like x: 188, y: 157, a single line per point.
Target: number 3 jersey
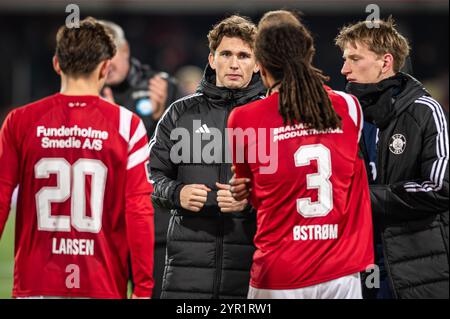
x: 83, y: 207
x: 311, y: 193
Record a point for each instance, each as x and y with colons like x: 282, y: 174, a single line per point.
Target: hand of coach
x: 193, y: 196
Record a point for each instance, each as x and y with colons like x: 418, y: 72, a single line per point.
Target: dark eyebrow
x: 238, y: 53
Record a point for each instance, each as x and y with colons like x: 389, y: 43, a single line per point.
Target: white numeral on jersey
x: 319, y: 180
x: 59, y: 194
x: 48, y: 195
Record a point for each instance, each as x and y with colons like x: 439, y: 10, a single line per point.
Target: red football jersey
x: 84, y: 198
x: 311, y: 194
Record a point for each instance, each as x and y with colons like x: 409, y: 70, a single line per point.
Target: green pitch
x: 7, y: 258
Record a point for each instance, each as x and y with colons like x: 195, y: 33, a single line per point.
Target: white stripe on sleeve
x: 137, y: 136
x: 138, y: 157
x: 351, y: 107
x: 440, y: 164
x: 125, y: 123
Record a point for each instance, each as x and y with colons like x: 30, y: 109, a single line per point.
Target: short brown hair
x: 80, y: 50
x: 381, y: 40
x: 234, y: 26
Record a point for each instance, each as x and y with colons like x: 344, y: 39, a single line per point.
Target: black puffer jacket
x: 209, y: 253
x: 410, y: 196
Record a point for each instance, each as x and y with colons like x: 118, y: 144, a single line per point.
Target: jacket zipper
x: 388, y: 269
x: 379, y: 157
x: 381, y: 179
x: 220, y: 230
x: 219, y: 258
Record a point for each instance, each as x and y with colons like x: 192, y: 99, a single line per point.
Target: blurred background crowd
x: 170, y: 36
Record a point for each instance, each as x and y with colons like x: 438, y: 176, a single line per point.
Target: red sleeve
x: 360, y: 117
x: 139, y: 214
x: 140, y: 236
x: 9, y: 167
x: 238, y: 146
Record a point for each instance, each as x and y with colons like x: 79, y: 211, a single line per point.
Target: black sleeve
x: 163, y: 172
x: 428, y: 195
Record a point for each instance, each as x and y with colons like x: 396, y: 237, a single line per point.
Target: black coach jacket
x: 410, y: 195
x: 209, y: 253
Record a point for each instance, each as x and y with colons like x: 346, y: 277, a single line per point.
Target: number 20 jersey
x: 76, y: 160
x: 314, y: 219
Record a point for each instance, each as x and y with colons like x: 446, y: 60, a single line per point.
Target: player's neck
x: 274, y: 87
x: 79, y: 87
x: 271, y: 84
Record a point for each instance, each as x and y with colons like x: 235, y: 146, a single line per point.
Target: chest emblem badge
x: 397, y: 144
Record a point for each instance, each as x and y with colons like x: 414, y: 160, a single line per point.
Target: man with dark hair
x: 210, y: 237
x: 410, y: 194
x: 84, y: 197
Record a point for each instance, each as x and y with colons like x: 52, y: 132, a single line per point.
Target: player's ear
x: 104, y: 69
x: 262, y: 71
x: 388, y: 63
x: 56, y: 66
x: 211, y: 61
x: 257, y: 68
x: 264, y: 76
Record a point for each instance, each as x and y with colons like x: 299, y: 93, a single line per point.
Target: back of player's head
x: 232, y: 27
x: 381, y: 37
x: 80, y: 50
x: 281, y: 35
x: 285, y: 48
